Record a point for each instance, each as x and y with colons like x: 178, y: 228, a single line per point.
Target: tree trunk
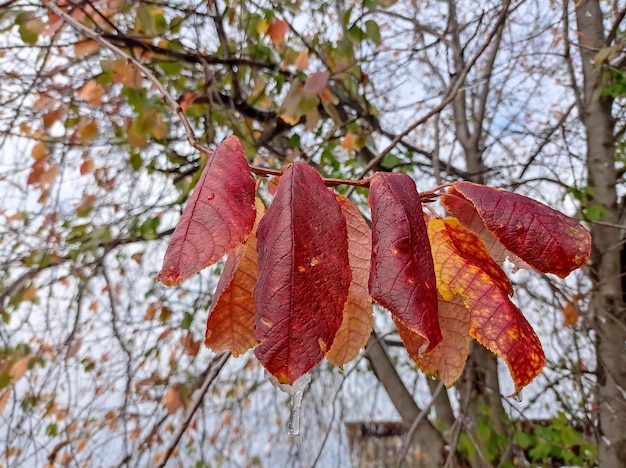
x: 607, y: 306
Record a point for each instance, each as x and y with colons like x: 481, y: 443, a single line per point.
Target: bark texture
x: 607, y: 306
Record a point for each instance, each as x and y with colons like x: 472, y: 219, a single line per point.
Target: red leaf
x: 546, y: 239
x: 402, y: 277
x: 230, y: 325
x: 465, y: 212
x: 219, y: 214
x: 447, y: 361
x: 304, y: 274
x: 464, y: 268
x: 358, y: 318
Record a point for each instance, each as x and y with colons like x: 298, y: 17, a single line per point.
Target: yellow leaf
x: 262, y: 26
x: 38, y: 151
x: 30, y: 293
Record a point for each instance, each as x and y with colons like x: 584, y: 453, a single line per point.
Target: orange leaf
x: 49, y: 175
x: 464, y: 268
x: 277, y: 30
x: 546, y: 239
x: 86, y: 167
x: 38, y: 151
x: 302, y: 60
x: 304, y: 274
x: 571, y: 310
x: 91, y: 92
x: 18, y: 369
x: 88, y: 132
x: 86, y: 47
x: 191, y: 346
x: 447, y: 360
x: 4, y: 399
x: 172, y: 400
x: 358, y: 318
x: 219, y: 215
x: 402, y: 277
x: 230, y: 325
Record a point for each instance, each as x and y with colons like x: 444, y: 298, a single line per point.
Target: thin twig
x: 218, y: 363
x: 146, y: 72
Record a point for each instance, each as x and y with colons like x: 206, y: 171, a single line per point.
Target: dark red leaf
x: 546, y: 239
x: 304, y: 274
x: 219, y: 215
x: 402, y: 276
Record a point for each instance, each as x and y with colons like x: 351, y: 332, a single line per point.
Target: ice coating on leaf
x: 544, y: 238
x: 464, y: 269
x: 220, y: 214
x: 402, y: 277
x: 358, y: 318
x: 304, y: 274
x: 230, y: 326
x: 447, y: 361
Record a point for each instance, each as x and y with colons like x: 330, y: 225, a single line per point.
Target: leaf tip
x: 170, y: 276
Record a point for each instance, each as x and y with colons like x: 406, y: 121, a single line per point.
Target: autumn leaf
x: 358, y: 318
x: 219, y: 215
x: 304, y: 274
x: 277, y: 30
x: 85, y: 47
x: 447, y: 360
x: 316, y: 82
x: 464, y: 211
x: 464, y: 268
x: 4, y: 399
x: 230, y: 326
x: 302, y: 60
x: 544, y: 238
x: 402, y: 277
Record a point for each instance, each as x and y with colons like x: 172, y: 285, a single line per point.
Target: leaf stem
x: 365, y: 183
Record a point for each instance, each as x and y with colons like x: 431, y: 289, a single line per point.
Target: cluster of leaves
x: 298, y: 279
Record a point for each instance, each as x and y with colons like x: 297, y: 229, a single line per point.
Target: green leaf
x: 187, y: 321
x: 356, y: 33
x: 373, y: 31
x: 135, y: 161
x: 149, y: 228
x: 52, y: 430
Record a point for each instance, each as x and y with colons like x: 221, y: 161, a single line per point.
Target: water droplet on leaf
x: 517, y: 396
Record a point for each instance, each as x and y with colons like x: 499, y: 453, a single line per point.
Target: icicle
x: 295, y: 391
x: 517, y: 396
